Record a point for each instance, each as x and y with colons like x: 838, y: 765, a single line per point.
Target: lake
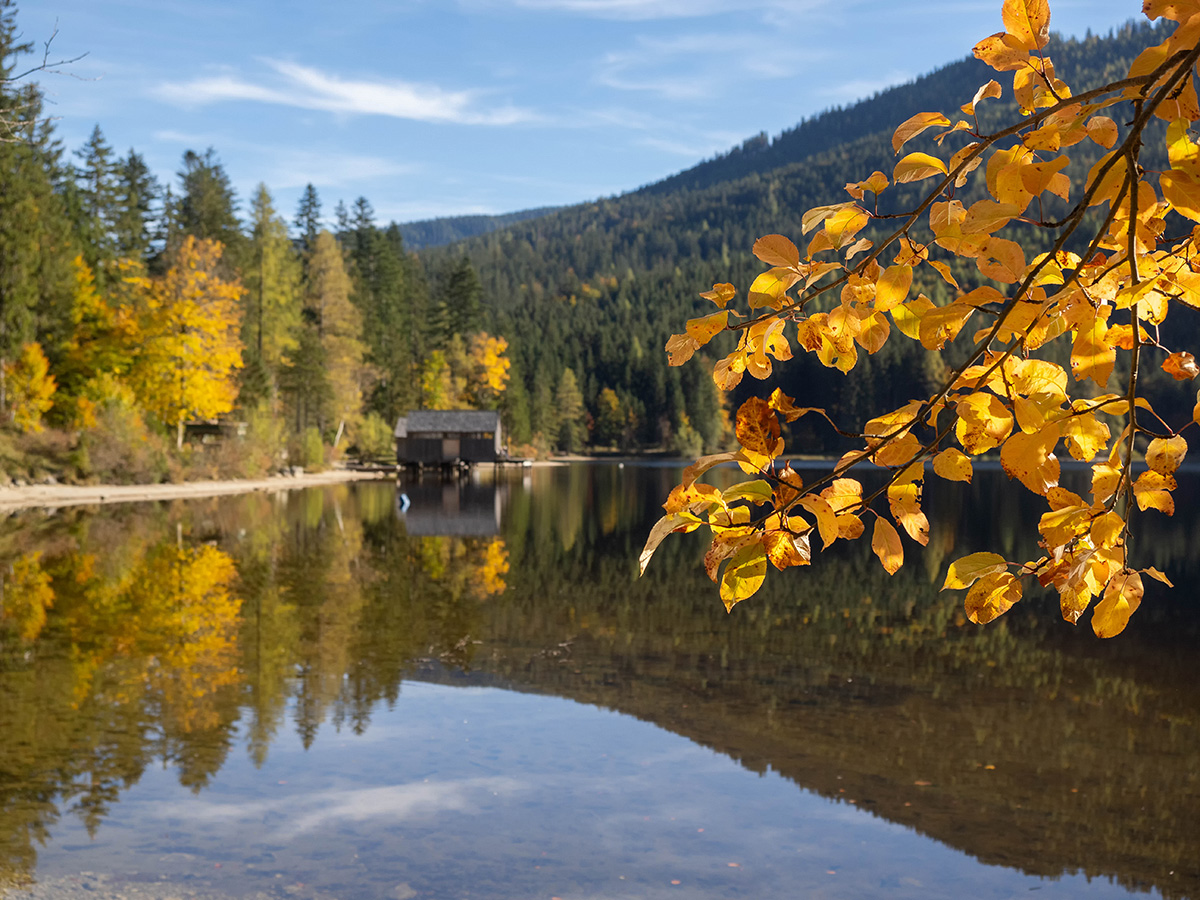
x: 322, y: 694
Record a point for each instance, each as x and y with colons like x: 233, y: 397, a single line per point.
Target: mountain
x: 598, y: 287
x: 437, y: 232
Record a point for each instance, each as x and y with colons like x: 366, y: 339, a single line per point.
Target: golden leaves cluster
x: 851, y: 288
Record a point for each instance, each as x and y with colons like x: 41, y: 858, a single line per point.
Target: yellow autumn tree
x: 189, y: 350
x: 1098, y: 278
x: 30, y: 387
x: 339, y: 328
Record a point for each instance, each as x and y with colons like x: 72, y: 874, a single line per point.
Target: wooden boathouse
x: 449, y: 437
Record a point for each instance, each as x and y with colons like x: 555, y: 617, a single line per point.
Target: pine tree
x: 133, y: 225
x: 308, y: 218
x: 208, y: 205
x: 96, y: 196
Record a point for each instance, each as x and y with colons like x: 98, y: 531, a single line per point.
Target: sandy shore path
x: 55, y: 495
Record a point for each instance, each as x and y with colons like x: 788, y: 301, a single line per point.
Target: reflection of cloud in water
x: 290, y: 817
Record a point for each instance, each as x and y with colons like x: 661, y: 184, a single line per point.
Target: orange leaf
x: 776, y: 250
x: 757, y: 428
x: 885, y: 542
x: 1002, y: 52
x: 991, y: 597
x: 953, y: 465
x: 1030, y: 459
x: 1181, y: 366
x: 680, y: 348
x: 706, y: 328
x: 1028, y: 21
x: 892, y: 287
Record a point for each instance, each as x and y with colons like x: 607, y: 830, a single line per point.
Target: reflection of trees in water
x: 165, y: 629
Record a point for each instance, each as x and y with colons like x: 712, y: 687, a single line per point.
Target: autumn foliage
x: 1105, y: 275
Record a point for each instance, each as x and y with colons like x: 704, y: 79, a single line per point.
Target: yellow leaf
x: 965, y: 571
x: 1158, y: 576
x: 874, y: 331
x: 702, y: 465
x: 1121, y: 599
x: 728, y: 371
x: 1165, y: 455
x: 917, y: 166
x: 892, y: 287
x: 986, y: 216
x: 1176, y: 10
x: 1002, y: 259
x: 705, y: 329
x: 770, y: 288
x: 756, y: 491
x: 744, y: 574
x: 720, y: 294
x: 984, y: 422
x: 776, y: 250
x: 1105, y: 480
x: 989, y: 91
x: 1152, y: 491
x: 1103, y: 131
x: 666, y: 525
x: 1002, y: 52
x: 819, y: 214
x: 908, y: 316
x: 914, y: 126
x: 942, y: 324
x: 1028, y: 21
x: 680, y: 348
x: 785, y: 549
x: 1030, y: 459
x: 885, y: 542
x: 843, y: 494
x: 684, y: 496
x: 953, y: 465
x: 826, y: 521
x: 1085, y: 435
x: 991, y: 597
x: 782, y: 403
x: 905, y: 503
x: 1091, y: 356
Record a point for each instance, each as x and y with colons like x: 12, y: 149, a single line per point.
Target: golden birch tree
x: 188, y: 326
x: 1099, y: 280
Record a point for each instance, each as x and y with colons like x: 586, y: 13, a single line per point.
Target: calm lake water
x: 318, y: 695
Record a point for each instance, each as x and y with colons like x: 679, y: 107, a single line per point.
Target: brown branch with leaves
x: 1006, y: 396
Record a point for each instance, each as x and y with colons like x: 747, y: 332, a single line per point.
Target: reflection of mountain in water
x: 855, y: 685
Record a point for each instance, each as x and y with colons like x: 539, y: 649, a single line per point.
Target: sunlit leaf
x: 744, y: 574
x: 964, y: 572
x: 1181, y: 366
x: 1152, y: 490
x: 916, y: 166
x: 826, y: 520
x: 885, y: 542
x: 991, y: 597
x: 706, y: 328
x: 1121, y: 599
x: 720, y: 294
x: 1165, y: 455
x: 776, y: 250
x: 914, y: 125
x: 785, y: 550
x: 680, y: 348
x: 953, y: 465
x: 666, y: 525
x: 1030, y: 459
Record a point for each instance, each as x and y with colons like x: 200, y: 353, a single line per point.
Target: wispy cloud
x: 286, y: 819
x: 697, y: 66
x: 306, y: 87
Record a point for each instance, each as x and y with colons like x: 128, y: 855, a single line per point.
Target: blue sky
x: 448, y: 107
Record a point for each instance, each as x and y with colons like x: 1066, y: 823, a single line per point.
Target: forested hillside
x: 599, y: 287
x: 133, y: 309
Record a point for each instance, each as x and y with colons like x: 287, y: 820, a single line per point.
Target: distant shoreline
x: 59, y: 495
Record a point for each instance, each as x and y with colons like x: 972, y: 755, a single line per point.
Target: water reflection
x: 178, y: 634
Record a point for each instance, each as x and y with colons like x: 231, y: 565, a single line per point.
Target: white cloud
x: 397, y: 803
x: 310, y: 88
x: 698, y: 66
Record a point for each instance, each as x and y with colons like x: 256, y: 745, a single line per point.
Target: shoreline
x: 51, y: 496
